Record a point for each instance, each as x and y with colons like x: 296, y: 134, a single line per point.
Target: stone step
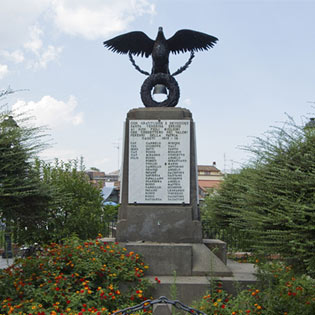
x: 193, y: 288
x: 164, y: 258
x: 187, y: 259
x: 205, y: 262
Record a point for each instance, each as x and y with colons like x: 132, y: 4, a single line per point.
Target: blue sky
x: 262, y: 67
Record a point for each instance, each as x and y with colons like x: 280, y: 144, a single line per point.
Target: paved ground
x: 4, y: 263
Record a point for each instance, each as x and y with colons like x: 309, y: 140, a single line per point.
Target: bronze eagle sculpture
x: 138, y: 43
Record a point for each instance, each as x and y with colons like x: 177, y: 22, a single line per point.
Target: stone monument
x: 159, y: 213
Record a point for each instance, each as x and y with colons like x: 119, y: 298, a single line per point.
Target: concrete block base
x: 195, y: 266
x: 190, y: 289
x: 218, y: 247
x: 187, y: 259
x: 164, y: 258
x: 164, y: 224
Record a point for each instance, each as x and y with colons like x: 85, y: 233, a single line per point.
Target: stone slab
x: 164, y: 258
x: 218, y: 247
x: 190, y: 259
x: 159, y: 161
x: 162, y: 309
x: 171, y: 224
x: 188, y: 289
x: 205, y: 262
x: 193, y: 288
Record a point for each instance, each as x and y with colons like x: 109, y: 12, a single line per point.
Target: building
x: 112, y: 179
x: 209, y: 178
x: 96, y: 177
x: 108, y: 183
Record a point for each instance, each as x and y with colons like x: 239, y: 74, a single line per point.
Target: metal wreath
x: 164, y: 79
x: 178, y: 71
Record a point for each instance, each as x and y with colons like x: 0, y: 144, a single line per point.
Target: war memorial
x: 159, y: 215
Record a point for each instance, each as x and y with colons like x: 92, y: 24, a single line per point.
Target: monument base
x: 195, y: 267
x: 164, y: 224
x: 183, y: 258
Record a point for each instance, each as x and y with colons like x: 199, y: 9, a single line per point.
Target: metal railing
x: 235, y: 239
x: 161, y: 300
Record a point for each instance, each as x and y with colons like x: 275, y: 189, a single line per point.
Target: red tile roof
x: 207, y: 184
x: 208, y: 168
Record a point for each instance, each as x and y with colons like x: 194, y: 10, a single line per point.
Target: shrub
x: 74, y: 278
x: 279, y: 291
x: 271, y: 202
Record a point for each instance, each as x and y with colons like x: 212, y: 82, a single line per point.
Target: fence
x: 159, y: 307
x: 236, y: 240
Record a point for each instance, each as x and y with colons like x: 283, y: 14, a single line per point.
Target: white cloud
x: 25, y: 25
x: 3, y: 71
x: 16, y: 16
x: 38, y: 55
x: 50, y: 54
x: 52, y: 112
x: 16, y: 56
x: 44, y: 57
x: 42, y: 54
x: 35, y: 43
x: 98, y: 18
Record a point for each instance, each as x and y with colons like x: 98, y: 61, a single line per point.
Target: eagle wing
x: 136, y: 43
x: 188, y: 40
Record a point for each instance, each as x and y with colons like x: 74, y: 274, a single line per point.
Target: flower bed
x: 279, y: 291
x: 76, y: 277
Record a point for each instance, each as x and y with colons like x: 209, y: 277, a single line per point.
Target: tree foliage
x: 21, y: 194
x: 43, y: 202
x: 271, y: 203
x: 76, y: 206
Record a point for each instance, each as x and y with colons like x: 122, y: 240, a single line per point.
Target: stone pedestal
x: 178, y: 222
x: 159, y: 215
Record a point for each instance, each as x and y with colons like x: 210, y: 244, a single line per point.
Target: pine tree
x: 272, y: 201
x: 21, y: 193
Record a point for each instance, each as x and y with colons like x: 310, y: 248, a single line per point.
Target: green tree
x: 21, y: 195
x: 76, y: 206
x: 272, y: 201
x: 41, y: 201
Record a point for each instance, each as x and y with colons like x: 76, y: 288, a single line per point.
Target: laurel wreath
x: 178, y: 71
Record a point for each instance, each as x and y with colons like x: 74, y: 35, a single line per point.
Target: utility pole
x: 117, y: 146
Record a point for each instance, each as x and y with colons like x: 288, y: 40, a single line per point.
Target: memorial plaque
x: 159, y: 161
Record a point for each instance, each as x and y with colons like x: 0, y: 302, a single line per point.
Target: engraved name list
x: 159, y: 152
